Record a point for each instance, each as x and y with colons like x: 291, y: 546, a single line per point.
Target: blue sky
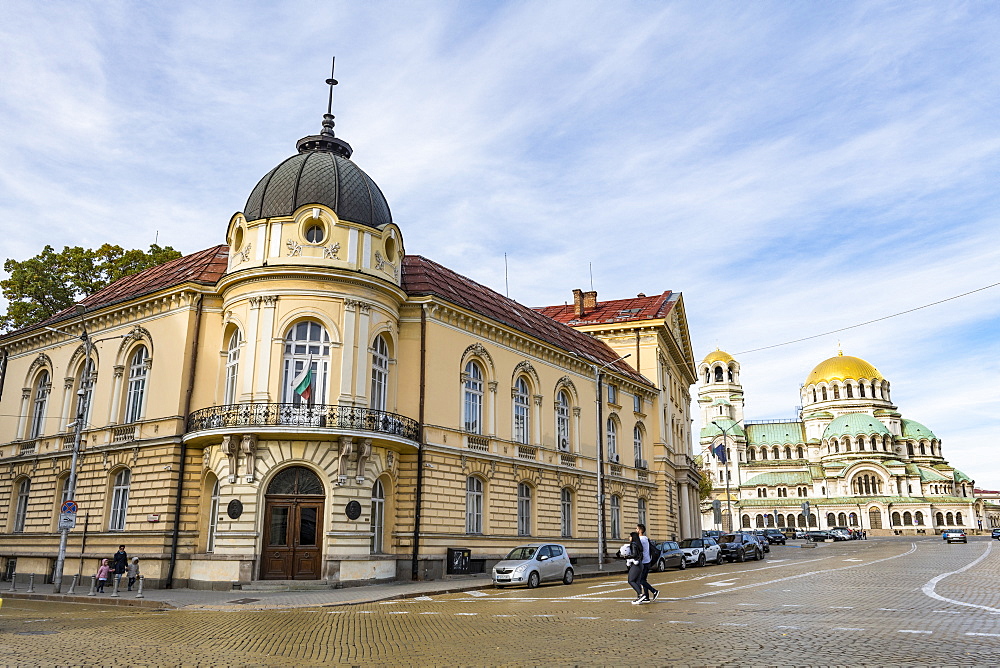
x: 792, y: 168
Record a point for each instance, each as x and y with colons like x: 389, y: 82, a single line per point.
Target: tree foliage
x: 704, y: 486
x: 41, y: 286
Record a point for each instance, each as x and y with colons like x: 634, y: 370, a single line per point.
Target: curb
x: 93, y: 600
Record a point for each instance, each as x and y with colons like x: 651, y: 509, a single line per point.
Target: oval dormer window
x: 238, y: 238
x: 315, y: 234
x: 390, y: 249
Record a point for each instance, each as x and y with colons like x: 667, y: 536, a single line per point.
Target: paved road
x: 876, y: 602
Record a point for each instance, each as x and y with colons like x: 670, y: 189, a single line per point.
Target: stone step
x: 287, y: 585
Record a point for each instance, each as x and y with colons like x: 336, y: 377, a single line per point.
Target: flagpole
x: 725, y: 460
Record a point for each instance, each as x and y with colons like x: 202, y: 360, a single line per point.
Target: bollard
x: 114, y: 591
x: 13, y: 582
x: 31, y: 583
x: 93, y: 586
x: 139, y: 594
x: 72, y: 585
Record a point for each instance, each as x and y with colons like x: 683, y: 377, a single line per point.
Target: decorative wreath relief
x: 294, y: 249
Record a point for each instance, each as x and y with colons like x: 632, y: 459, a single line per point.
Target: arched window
x: 831, y: 520
x: 939, y: 519
x: 119, y: 500
x: 380, y: 374
x: 637, y: 446
x: 213, y: 517
x: 781, y: 520
x: 918, y: 518
x: 612, y: 440
x: 378, y: 517
x: 894, y: 520
x: 472, y: 384
x: 521, y: 411
x: 745, y: 521
x: 718, y: 374
x: 763, y: 453
x: 949, y: 519
x: 307, y: 344
x: 616, y: 517
x: 566, y: 513
x: 731, y: 375
x: 814, y: 395
x: 875, y: 518
x: 641, y: 511
x: 562, y: 420
x: 842, y: 519
x: 21, y: 509
x: 523, y: 509
x: 907, y: 519
x: 836, y: 391
x: 823, y: 390
x: 473, y: 505
x: 760, y: 521
x: 958, y: 519
x: 850, y: 391
x: 923, y: 449
x: 708, y: 376
x: 84, y: 391
x: 909, y: 449
x: 788, y: 452
x: 42, y: 388
x: 137, y: 372
x: 861, y: 390
x: 799, y: 452
x: 751, y: 454
x: 232, y: 367
x: 775, y: 452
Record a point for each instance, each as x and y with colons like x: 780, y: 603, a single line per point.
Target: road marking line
x: 400, y: 612
x: 731, y: 624
x: 335, y: 612
x: 928, y: 588
x: 628, y: 620
x: 724, y: 583
x: 888, y: 610
x: 846, y: 628
x: 430, y: 613
x: 948, y: 612
x: 841, y: 607
x: 543, y: 615
x: 748, y: 604
x: 360, y: 612
x: 991, y: 635
x: 466, y: 614
x: 588, y: 618
x: 672, y: 621
x: 422, y: 598
x: 476, y: 593
x: 786, y: 627
x: 853, y: 559
x: 791, y: 605
x: 707, y: 602
x: 912, y: 631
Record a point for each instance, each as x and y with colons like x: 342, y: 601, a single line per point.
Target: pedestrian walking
x: 133, y: 572
x: 103, y: 571
x: 647, y: 562
x: 633, y: 559
x: 119, y: 563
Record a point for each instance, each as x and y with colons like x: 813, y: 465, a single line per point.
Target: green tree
x: 704, y: 486
x: 41, y: 286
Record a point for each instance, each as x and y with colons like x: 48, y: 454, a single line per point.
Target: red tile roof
x: 615, y: 310
x: 424, y: 277
x: 205, y: 267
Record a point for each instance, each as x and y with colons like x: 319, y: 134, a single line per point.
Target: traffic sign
x: 69, y: 507
x: 67, y: 521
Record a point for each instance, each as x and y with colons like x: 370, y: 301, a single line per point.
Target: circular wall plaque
x: 353, y: 510
x: 235, y: 509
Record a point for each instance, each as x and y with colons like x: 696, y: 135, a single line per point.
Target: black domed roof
x: 319, y: 176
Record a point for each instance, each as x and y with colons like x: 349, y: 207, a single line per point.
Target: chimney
x: 578, y: 303
x: 590, y: 300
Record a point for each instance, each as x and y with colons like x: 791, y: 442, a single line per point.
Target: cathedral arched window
x: 836, y: 391
x: 718, y: 374
x: 799, y: 452
x: 788, y: 452
x: 850, y: 391
x: 958, y: 519
x: 708, y: 376
x: 751, y: 454
x: 824, y: 393
x: 763, y: 453
x: 923, y: 449
x: 918, y: 518
x: 730, y: 375
x: 909, y: 449
x: 775, y: 452
x: 814, y: 395
x: 861, y: 390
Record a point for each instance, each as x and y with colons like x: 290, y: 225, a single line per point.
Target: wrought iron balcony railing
x: 291, y: 415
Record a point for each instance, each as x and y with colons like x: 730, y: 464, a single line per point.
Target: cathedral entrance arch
x: 293, y: 521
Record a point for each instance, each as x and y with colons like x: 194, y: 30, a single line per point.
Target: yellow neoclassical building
x: 307, y: 401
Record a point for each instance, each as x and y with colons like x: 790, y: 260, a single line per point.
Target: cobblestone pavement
x: 877, y: 602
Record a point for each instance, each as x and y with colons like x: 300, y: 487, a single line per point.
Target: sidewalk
x: 198, y: 599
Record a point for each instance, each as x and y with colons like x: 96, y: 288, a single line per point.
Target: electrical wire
x: 868, y: 322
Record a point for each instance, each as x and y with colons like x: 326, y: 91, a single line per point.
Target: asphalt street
x: 877, y: 602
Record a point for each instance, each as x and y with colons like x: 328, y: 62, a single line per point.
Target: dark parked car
x: 671, y: 556
x: 740, y: 547
x: 820, y: 536
x: 765, y: 545
x: 996, y: 534
x: 773, y: 536
x: 712, y: 533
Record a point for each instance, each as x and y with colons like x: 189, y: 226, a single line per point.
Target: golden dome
x: 718, y: 356
x: 843, y: 367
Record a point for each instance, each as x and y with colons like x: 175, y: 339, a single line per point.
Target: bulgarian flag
x: 303, y: 382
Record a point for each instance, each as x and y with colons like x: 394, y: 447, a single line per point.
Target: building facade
x: 851, y: 456
x: 308, y: 401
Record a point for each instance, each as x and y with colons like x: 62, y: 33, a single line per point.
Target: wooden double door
x: 292, y: 538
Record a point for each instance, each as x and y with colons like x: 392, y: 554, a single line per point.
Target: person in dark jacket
x: 119, y: 563
x: 634, y: 562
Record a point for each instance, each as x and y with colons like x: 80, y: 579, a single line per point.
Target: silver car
x: 533, y: 564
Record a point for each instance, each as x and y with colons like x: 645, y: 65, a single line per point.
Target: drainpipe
x: 415, y: 568
x: 175, y: 539
x: 3, y: 369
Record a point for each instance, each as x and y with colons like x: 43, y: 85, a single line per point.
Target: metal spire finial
x: 328, y: 116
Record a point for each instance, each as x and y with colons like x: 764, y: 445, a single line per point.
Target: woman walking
x: 634, y: 562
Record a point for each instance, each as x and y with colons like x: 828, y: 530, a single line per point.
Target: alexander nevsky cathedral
x: 851, y: 455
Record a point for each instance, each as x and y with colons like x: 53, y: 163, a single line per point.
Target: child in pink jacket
x: 102, y: 575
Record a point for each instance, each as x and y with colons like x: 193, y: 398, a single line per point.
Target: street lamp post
x: 81, y: 412
x: 725, y: 449
x: 599, y: 373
